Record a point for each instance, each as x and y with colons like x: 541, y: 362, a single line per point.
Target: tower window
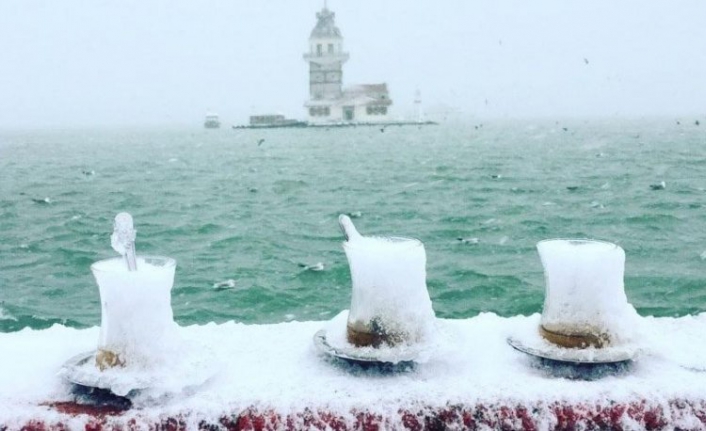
x: 376, y: 110
x: 330, y: 48
x: 319, y: 111
x: 318, y: 49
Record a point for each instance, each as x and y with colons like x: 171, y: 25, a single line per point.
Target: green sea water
x: 237, y: 213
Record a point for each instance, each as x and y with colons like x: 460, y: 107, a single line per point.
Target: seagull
x: 318, y: 266
x: 223, y: 285
x: 463, y: 240
x: 585, y: 60
x: 596, y: 204
x: 260, y: 141
x: 661, y: 186
x: 41, y: 201
x: 355, y: 214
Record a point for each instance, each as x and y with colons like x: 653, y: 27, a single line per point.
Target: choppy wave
x: 227, y: 209
x: 10, y: 321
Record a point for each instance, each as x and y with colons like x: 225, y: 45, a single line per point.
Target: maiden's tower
x: 329, y: 102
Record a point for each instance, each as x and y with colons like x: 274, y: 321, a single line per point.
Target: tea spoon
x: 347, y: 227
x: 123, y: 239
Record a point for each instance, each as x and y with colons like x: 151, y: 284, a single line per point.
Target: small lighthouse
x: 418, y: 106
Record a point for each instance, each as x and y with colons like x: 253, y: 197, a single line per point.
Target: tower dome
x: 325, y: 26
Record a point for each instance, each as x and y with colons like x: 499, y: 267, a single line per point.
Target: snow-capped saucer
x: 333, y: 341
x: 538, y: 347
x: 183, y: 372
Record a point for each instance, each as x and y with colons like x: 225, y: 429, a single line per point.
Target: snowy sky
x: 142, y: 62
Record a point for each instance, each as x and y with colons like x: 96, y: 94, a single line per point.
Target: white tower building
x: 326, y: 58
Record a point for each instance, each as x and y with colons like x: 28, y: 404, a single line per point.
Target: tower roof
x: 325, y: 25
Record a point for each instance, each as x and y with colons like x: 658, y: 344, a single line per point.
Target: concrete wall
x: 360, y: 115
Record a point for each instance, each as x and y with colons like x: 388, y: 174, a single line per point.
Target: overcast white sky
x: 94, y: 62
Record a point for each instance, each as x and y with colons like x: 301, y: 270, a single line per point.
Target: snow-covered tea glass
x: 390, y: 303
x: 585, y: 299
x: 136, y: 311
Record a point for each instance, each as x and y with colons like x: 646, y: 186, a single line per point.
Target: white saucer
x: 81, y: 370
x: 350, y: 352
x: 332, y: 341
x: 184, y: 373
x: 538, y: 347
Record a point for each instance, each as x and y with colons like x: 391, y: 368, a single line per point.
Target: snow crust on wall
x: 276, y: 368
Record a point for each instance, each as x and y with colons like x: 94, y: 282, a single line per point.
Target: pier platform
x: 302, y: 124
x: 272, y: 377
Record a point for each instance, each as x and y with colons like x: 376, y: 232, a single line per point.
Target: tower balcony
x: 326, y: 58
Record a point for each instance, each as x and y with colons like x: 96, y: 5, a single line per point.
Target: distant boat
x: 212, y: 121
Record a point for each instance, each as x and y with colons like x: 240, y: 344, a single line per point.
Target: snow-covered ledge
x: 272, y: 377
